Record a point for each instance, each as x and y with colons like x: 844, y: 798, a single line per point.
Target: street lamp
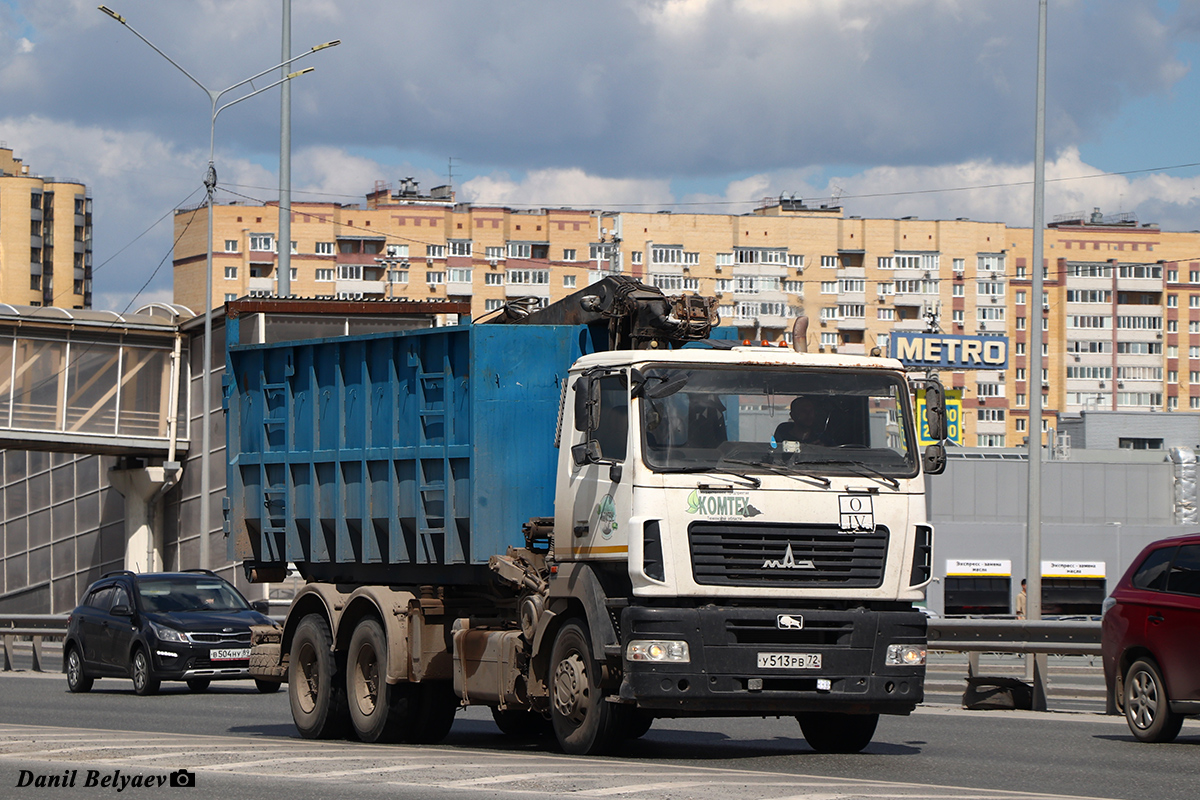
x: 210, y: 185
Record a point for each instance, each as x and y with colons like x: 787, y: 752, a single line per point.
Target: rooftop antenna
x: 450, y: 171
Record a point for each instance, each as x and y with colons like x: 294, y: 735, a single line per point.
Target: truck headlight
x: 905, y: 655
x: 658, y: 650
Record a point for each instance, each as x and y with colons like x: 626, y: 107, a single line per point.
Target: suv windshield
x: 169, y: 595
x: 776, y: 420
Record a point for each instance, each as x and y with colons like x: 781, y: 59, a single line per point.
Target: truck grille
x: 757, y: 554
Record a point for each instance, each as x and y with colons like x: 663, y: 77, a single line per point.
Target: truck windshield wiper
x: 749, y: 480
x: 818, y: 479
x: 864, y: 471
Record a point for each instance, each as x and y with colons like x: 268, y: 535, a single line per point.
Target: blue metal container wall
x: 426, y: 447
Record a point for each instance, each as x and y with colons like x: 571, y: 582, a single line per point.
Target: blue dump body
x: 402, y: 457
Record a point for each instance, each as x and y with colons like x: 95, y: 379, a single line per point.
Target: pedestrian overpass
x: 97, y: 382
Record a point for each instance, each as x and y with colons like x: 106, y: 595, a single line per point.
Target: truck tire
x: 829, y: 732
x: 316, y: 692
x: 584, y: 723
x: 431, y: 709
x: 522, y: 724
x: 370, y: 699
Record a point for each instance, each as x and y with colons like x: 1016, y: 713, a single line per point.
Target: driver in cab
x: 803, y: 426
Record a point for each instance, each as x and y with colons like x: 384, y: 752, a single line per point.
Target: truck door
x: 601, y: 487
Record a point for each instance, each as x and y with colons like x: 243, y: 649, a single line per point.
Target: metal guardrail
x: 37, y: 628
x: 40, y: 627
x: 1061, y: 637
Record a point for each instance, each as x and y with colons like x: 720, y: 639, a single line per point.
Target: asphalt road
x: 242, y: 744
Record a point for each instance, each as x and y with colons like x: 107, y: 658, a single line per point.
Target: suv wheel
x: 77, y: 678
x: 143, y: 684
x: 1147, y: 707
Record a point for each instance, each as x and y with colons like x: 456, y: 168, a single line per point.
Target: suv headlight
x: 1108, y: 603
x: 166, y: 634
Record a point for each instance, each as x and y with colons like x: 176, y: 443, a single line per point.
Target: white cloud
x: 565, y: 187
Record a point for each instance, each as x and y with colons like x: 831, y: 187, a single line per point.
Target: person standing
x: 1021, y: 598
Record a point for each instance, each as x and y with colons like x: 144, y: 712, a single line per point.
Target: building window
x: 397, y: 276
x: 460, y: 247
x: 569, y: 255
x: 991, y: 415
x: 492, y: 305
x: 435, y: 251
x: 829, y: 339
x: 529, y: 277
x: 1020, y: 424
x: 956, y: 316
x: 324, y: 275
x: 989, y: 440
x: 35, y: 283
x: 691, y: 284
x: 958, y: 290
x: 960, y: 265
x: 230, y: 296
x: 668, y: 283
x: 231, y: 273
x: 635, y: 258
x: 435, y: 277
x: 326, y: 248
x: 885, y: 262
x: 460, y: 275
x: 886, y: 314
x: 991, y: 263
x: 568, y: 281
x: 596, y: 252
x: 829, y: 287
x: 1172, y: 301
x: 796, y: 260
x: 231, y: 246
x: 493, y: 253
x: 1020, y: 399
x: 393, y: 250
x: 493, y: 279
x: 829, y: 262
x: 724, y: 259
x: 262, y: 243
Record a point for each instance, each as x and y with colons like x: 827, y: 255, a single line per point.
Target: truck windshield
x: 777, y: 420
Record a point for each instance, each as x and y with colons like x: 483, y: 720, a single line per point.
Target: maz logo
x: 789, y: 562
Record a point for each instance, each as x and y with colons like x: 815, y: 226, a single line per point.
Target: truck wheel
x: 315, y: 691
x: 524, y: 724
x: 637, y: 723
x: 584, y: 723
x: 432, y: 705
x: 828, y: 732
x: 367, y: 691
x: 1147, y: 707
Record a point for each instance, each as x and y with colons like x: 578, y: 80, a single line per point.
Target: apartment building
x: 1121, y: 305
x: 45, y: 238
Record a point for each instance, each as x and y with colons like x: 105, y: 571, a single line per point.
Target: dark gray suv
x: 189, y: 626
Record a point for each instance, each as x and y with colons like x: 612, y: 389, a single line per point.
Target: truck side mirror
x: 586, y: 452
x: 583, y: 392
x: 934, y: 459
x: 935, y: 410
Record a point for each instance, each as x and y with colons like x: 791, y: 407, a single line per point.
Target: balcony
x: 909, y: 325
x: 526, y: 290
x: 852, y: 324
x: 261, y: 286
x: 360, y: 287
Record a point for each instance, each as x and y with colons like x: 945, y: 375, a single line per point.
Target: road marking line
x: 645, y: 787
x: 469, y: 782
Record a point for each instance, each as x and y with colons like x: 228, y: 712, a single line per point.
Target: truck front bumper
x: 726, y: 646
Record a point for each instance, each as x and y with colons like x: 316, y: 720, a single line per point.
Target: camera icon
x: 182, y: 777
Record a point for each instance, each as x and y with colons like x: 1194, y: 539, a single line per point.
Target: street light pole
x: 210, y: 185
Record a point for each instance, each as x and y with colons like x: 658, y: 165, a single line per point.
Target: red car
x: 1151, y: 639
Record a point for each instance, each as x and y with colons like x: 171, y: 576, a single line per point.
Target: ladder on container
x: 433, y: 388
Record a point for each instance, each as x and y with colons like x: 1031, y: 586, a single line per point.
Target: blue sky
x: 701, y: 105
